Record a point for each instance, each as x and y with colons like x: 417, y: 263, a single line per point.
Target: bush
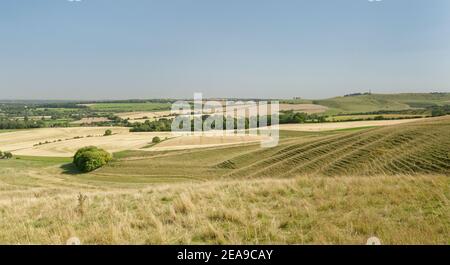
x: 90, y: 158
x: 108, y: 133
x: 5, y: 155
x: 156, y: 140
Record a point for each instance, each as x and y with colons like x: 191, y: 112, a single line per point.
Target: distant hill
x: 382, y: 102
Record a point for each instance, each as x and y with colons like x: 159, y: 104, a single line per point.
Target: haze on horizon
x: 118, y: 49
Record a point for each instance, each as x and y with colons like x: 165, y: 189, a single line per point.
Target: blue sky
x: 115, y: 49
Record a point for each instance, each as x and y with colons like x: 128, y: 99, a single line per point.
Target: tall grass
x: 303, y: 210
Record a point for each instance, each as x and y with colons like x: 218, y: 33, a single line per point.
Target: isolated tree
x: 108, y: 132
x: 156, y: 140
x: 1, y: 154
x: 90, y: 158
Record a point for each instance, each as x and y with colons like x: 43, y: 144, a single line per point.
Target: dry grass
x: 303, y: 210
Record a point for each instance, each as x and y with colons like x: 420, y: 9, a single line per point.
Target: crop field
x: 142, y: 116
x: 126, y: 107
x: 64, y: 142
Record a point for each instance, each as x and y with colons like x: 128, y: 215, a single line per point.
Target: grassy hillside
x: 412, y: 148
x: 303, y: 210
x: 383, y: 102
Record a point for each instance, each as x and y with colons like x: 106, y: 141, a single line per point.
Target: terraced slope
x: 421, y: 147
x: 414, y: 148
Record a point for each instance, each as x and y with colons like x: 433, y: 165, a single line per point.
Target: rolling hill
x: 413, y: 148
x: 383, y: 102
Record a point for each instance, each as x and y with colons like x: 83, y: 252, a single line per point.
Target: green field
x: 335, y: 187
x: 129, y: 107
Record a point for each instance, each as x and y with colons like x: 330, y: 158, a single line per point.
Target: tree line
x: 286, y: 117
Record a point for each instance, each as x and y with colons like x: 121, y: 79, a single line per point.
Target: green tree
x: 156, y: 140
x: 107, y: 133
x: 90, y: 158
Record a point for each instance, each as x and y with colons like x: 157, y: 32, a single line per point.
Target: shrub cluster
x: 5, y: 155
x: 90, y: 158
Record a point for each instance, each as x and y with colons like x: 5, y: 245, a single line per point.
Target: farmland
x: 64, y: 142
x: 21, y: 115
x: 123, y: 107
x: 324, y: 183
x: 328, y: 186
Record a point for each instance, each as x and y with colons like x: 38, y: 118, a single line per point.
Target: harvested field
x: 189, y: 142
x: 307, y: 108
x: 317, y: 127
x: 65, y: 141
x: 90, y: 120
x: 142, y: 116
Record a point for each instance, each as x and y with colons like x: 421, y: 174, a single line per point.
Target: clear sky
x: 117, y: 49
